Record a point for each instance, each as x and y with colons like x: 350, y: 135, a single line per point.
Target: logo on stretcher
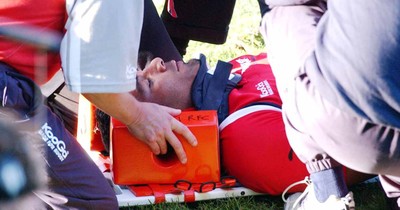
x: 56, y: 145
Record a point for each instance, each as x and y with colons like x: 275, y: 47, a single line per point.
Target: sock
x: 329, y: 182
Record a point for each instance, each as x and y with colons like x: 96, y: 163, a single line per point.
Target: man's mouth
x: 178, y: 65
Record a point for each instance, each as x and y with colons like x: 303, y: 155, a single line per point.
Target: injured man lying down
x: 254, y: 147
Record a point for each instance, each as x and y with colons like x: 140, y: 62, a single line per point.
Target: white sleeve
x: 99, y: 51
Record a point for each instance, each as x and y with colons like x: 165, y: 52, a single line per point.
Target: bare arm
x: 151, y: 123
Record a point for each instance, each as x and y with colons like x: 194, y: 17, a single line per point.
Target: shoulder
x: 242, y: 63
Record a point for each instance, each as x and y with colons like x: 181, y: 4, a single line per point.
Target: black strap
x: 52, y: 96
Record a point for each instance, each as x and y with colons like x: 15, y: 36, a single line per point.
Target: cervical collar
x: 210, y: 91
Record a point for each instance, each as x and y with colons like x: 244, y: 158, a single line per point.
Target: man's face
x: 167, y: 83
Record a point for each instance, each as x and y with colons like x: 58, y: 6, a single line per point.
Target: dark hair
x: 103, y: 125
x: 144, y: 58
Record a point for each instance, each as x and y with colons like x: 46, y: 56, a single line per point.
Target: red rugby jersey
x: 253, y: 140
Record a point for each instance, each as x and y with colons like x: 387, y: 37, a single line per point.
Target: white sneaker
x: 308, y: 201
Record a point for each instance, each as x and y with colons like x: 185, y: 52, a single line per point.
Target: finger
x: 171, y: 111
x: 162, y: 143
x: 182, y: 129
x: 154, y: 147
x: 147, y: 138
x: 177, y: 146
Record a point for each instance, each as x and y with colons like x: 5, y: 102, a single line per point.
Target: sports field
x: 244, y: 38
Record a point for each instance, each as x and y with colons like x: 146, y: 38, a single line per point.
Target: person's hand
x: 154, y: 124
x: 151, y: 123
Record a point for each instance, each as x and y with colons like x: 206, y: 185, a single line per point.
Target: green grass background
x: 244, y: 38
x: 368, y: 196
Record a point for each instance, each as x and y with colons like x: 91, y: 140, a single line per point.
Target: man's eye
x: 150, y: 82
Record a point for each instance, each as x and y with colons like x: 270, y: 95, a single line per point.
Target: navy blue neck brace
x: 211, y: 91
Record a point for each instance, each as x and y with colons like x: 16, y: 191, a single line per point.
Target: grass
x: 244, y: 38
x: 242, y: 203
x: 368, y: 196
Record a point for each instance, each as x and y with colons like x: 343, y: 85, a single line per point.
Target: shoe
x: 308, y: 201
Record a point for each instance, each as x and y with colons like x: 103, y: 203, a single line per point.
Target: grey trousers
x: 300, y: 41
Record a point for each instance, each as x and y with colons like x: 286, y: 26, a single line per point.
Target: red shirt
x: 254, y: 147
x: 257, y: 85
x: 44, y: 14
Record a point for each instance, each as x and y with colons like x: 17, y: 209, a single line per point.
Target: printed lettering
x: 56, y: 145
x: 51, y: 145
x: 198, y: 117
x: 265, y: 89
x: 130, y: 72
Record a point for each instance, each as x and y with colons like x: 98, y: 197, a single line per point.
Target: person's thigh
x: 289, y: 33
x: 73, y: 179
x: 357, y: 49
x: 349, y: 139
x: 294, y: 36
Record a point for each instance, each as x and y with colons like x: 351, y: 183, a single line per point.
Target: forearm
x: 122, y: 106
